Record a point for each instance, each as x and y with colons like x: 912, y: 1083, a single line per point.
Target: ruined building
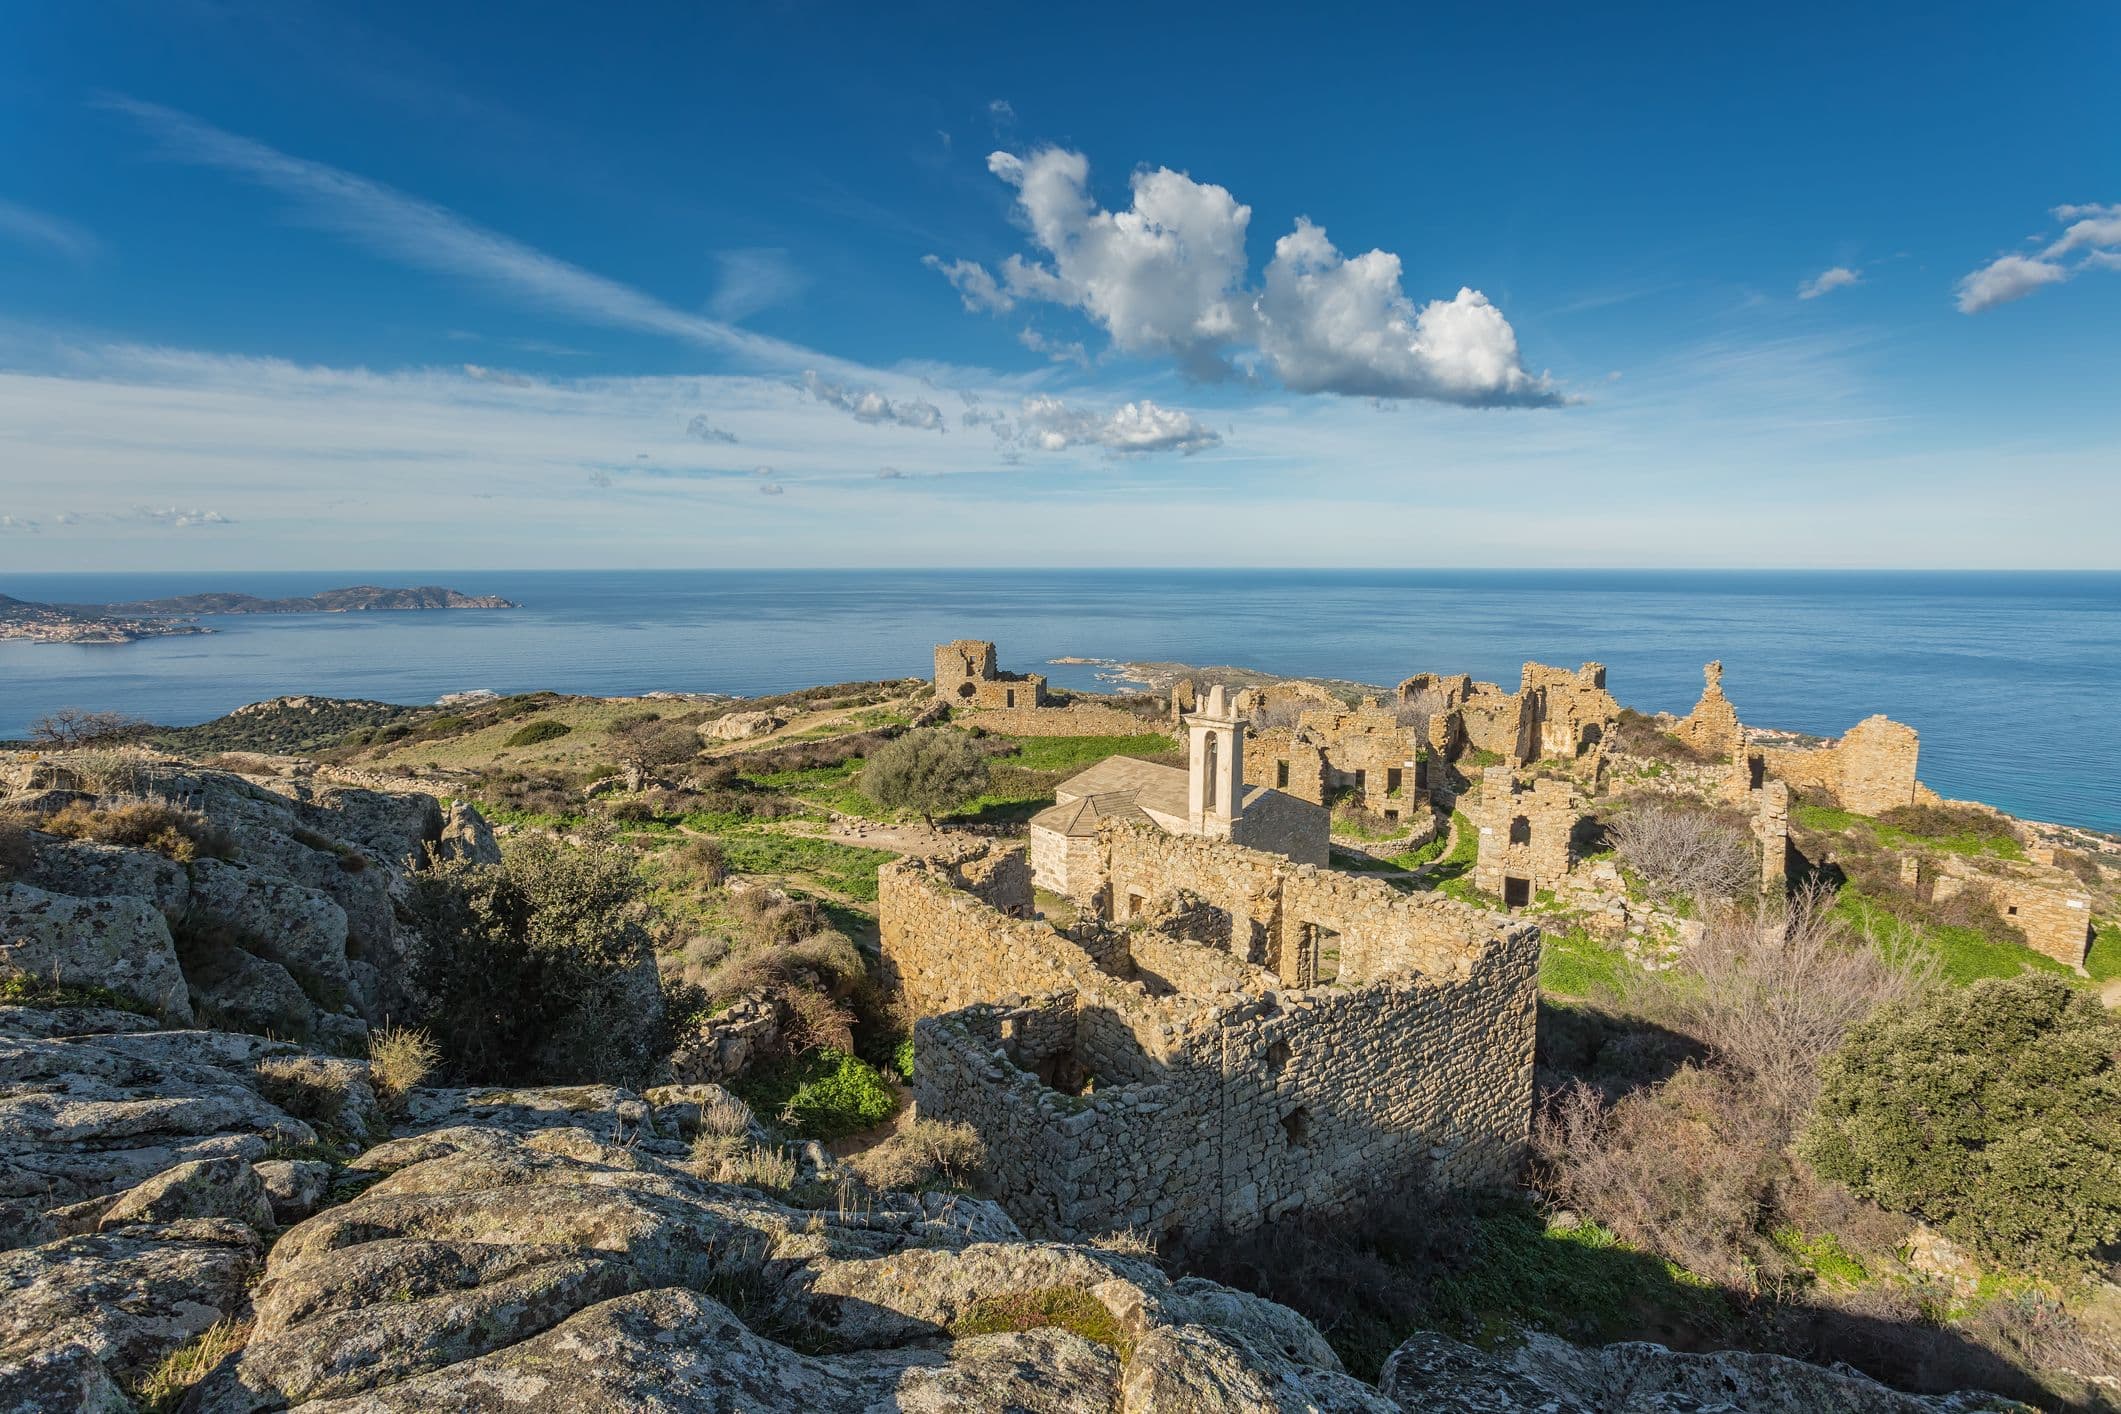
x: 1554, y: 714
x: 966, y: 675
x: 1527, y: 835
x: 1371, y: 754
x: 1209, y: 797
x: 1263, y: 1038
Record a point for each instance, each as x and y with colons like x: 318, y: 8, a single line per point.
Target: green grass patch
x: 844, y: 868
x: 1975, y: 836
x: 1073, y: 753
x: 1064, y: 1307
x: 2103, y: 962
x: 825, y: 1095
x: 1963, y: 954
x: 1823, y: 1256
x: 47, y: 994
x: 1580, y: 1282
x: 1572, y: 963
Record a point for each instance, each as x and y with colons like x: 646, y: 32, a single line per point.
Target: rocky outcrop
x: 299, y: 931
x: 1545, y: 1373
x: 122, y: 944
x: 554, y: 1248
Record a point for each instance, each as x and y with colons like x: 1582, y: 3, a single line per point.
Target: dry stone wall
x: 1159, y: 1079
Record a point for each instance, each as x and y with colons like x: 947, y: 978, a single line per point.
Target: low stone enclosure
x: 1262, y: 1038
x: 968, y: 679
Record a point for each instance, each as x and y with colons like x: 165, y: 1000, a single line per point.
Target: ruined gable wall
x: 1712, y: 728
x: 1570, y: 710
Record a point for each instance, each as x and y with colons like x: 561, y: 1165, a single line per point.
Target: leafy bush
x: 540, y: 968
x: 929, y: 772
x: 1993, y: 1113
x: 828, y: 1095
x: 181, y: 834
x: 532, y: 733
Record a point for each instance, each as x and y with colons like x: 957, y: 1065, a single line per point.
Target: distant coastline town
x: 166, y: 618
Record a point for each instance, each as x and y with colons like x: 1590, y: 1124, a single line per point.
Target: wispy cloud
x: 1829, y: 280
x: 420, y: 233
x: 752, y: 279
x: 179, y: 518
x: 44, y: 231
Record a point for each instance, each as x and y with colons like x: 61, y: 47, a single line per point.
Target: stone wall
x: 2048, y: 905
x: 966, y: 676
x: 1712, y: 728
x: 1193, y: 1094
x: 1557, y: 713
x: 1282, y: 824
x: 1870, y: 770
x: 1076, y: 718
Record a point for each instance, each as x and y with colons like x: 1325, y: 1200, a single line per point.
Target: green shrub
x: 532, y: 733
x: 1993, y: 1113
x: 929, y: 772
x: 540, y: 969
x: 826, y: 1095
x: 46, y: 994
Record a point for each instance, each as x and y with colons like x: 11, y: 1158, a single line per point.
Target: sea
x: 2010, y: 677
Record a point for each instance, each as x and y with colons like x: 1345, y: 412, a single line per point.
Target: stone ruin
x: 1555, y: 714
x: 1232, y: 1039
x: 966, y: 676
x: 1369, y: 753
x: 967, y: 679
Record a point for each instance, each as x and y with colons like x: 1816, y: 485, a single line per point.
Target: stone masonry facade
x: 1237, y: 1039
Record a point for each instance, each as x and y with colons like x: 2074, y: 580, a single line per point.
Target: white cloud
x: 2093, y: 235
x: 178, y: 518
x: 18, y: 524
x: 1333, y: 325
x: 600, y: 479
x: 890, y: 473
x: 37, y: 228
x: 973, y: 284
x: 1828, y: 280
x: 706, y: 431
x: 754, y: 278
x: 2004, y: 279
x: 870, y: 405
x: 771, y: 488
x: 1050, y: 425
x: 431, y: 237
x: 1168, y: 275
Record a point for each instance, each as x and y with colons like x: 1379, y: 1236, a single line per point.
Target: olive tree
x: 928, y: 772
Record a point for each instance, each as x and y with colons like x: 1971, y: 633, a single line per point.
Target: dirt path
x: 902, y: 839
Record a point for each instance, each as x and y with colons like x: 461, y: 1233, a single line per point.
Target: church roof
x: 1081, y: 817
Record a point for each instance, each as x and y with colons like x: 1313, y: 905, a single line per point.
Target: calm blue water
x: 2009, y: 677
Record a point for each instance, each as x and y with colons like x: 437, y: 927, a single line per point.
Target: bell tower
x: 1215, y: 767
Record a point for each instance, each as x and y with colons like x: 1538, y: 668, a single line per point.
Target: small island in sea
x: 163, y: 618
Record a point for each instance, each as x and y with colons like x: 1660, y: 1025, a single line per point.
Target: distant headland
x: 162, y: 618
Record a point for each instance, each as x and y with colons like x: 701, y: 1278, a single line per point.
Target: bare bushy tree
x: 1681, y: 850
x: 1416, y: 710
x: 1283, y: 710
x: 70, y: 728
x: 1773, y: 987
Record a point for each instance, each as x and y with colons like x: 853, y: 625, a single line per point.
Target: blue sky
x: 399, y: 286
